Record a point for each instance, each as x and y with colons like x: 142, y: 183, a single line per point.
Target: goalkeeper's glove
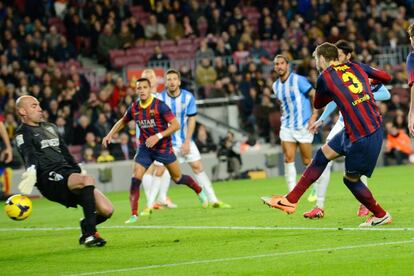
x: 29, y: 179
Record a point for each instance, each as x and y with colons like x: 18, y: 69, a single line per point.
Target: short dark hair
x: 345, y: 46
x: 173, y: 71
x: 283, y: 57
x: 144, y: 79
x: 328, y: 51
x: 410, y: 30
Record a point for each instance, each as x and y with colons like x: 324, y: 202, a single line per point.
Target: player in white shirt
x: 296, y: 95
x: 182, y: 104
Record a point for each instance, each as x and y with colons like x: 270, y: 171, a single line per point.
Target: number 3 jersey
x: 43, y: 147
x: 348, y: 85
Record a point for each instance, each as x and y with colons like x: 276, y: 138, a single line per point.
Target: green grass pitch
x: 249, y: 239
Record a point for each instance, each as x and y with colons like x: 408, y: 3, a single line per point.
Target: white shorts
x: 339, y: 125
x: 193, y: 155
x: 302, y: 136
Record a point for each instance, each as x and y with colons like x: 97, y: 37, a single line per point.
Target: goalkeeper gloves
x: 28, y: 180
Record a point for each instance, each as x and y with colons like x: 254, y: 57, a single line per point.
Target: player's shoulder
x: 186, y: 93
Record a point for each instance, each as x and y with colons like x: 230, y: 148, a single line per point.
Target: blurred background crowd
x: 225, y: 49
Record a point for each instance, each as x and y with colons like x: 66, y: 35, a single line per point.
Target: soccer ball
x: 18, y: 207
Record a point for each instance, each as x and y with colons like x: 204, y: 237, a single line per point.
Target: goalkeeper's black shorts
x: 53, y: 185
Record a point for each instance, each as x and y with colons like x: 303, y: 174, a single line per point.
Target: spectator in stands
x: 262, y: 113
x: 124, y: 150
x: 217, y: 91
x: 204, y: 52
x: 220, y: 68
x: 203, y: 140
x: 107, y: 41
x: 175, y: 30
x: 87, y: 156
x: 102, y: 127
x: 206, y: 75
x: 215, y: 22
x: 396, y: 104
x: 53, y: 38
x: 125, y: 37
x: 64, y: 51
x: 258, y: 53
x: 188, y: 29
x: 64, y: 129
x: 105, y: 156
x: 136, y: 29
x: 398, y: 146
x: 221, y: 49
x: 81, y: 129
x: 92, y: 143
x: 154, y: 30
x: 159, y: 56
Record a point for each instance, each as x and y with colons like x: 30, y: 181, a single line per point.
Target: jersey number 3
x: 355, y: 85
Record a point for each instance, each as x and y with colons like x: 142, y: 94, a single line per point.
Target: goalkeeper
x: 55, y: 173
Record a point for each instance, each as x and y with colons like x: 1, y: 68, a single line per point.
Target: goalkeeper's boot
x: 203, y: 199
x: 315, y: 213
x: 94, y: 240
x: 374, y: 221
x: 132, y: 219
x: 83, y: 231
x: 363, y: 211
x: 279, y: 202
x: 220, y: 204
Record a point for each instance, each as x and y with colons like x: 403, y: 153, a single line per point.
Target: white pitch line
x: 185, y: 227
x: 222, y: 260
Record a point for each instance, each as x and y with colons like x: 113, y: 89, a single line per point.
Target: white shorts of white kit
x: 302, y: 136
x: 339, y: 125
x: 193, y: 154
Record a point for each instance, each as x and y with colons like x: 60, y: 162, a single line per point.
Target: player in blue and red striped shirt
x: 157, y: 123
x: 410, y: 74
x: 348, y: 86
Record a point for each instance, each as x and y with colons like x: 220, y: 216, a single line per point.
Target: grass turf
x: 185, y: 251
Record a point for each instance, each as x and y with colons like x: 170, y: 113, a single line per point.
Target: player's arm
x: 7, y: 154
x: 115, y: 129
x: 173, y: 126
x: 26, y: 149
x: 381, y: 93
x: 322, y: 97
x: 191, y: 124
x: 376, y: 74
x: 118, y: 126
x: 311, y: 95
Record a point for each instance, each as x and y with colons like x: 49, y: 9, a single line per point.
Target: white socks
x: 321, y: 185
x: 165, y: 184
x: 290, y: 175
x: 364, y: 180
x: 155, y: 188
x: 146, y: 185
x: 205, y: 182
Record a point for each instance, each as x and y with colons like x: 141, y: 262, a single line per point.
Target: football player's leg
x: 289, y: 152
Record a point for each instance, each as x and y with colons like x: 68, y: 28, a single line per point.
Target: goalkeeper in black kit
x: 55, y: 173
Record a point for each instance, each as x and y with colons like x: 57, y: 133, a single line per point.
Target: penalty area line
x: 230, y: 259
x: 187, y: 227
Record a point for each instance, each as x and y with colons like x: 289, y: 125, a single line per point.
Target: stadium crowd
x: 41, y: 41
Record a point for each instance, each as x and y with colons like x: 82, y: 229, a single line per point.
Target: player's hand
x: 106, y: 140
x: 152, y: 141
x: 7, y: 155
x: 411, y: 122
x: 185, y: 148
x: 29, y: 179
x: 313, y: 128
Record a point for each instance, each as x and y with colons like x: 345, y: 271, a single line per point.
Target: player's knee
x: 352, y: 177
x: 289, y: 158
x: 197, y: 168
x: 88, y: 180
x: 108, y: 210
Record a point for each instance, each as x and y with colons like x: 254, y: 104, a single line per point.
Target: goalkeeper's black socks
x: 87, y: 201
